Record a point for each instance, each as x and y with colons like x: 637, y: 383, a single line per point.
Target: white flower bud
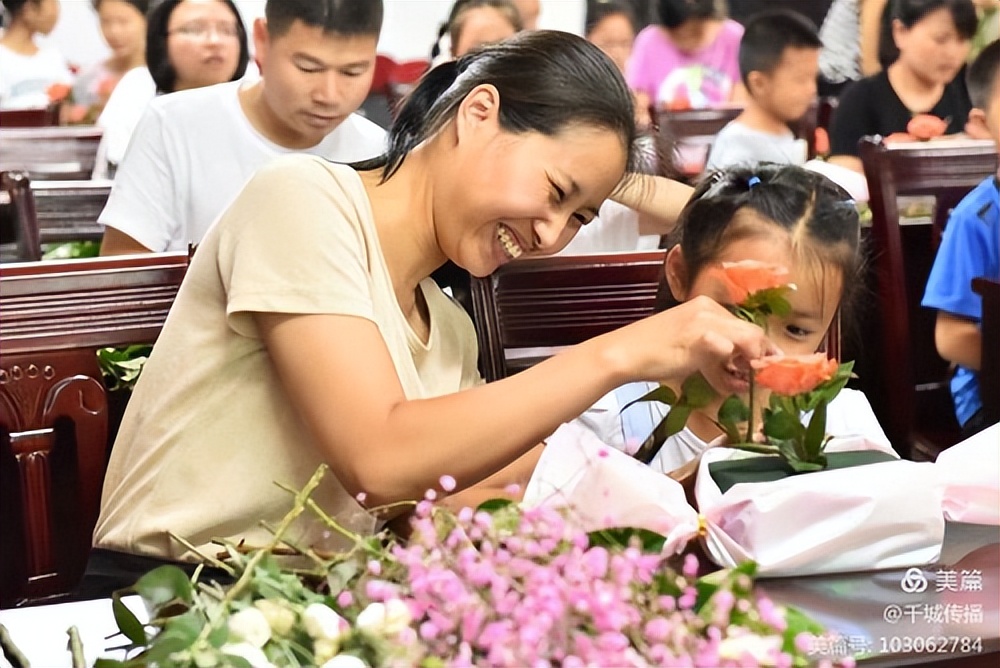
x: 279, y: 616
x: 249, y: 626
x: 323, y: 623
x: 762, y: 649
x: 252, y: 655
x: 345, y: 661
x: 388, y: 618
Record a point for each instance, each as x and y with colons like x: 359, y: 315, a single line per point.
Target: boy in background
x: 779, y: 65
x: 969, y: 248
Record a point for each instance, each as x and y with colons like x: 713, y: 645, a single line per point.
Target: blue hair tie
x: 752, y: 181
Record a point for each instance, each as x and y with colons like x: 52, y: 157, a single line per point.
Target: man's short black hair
x: 341, y: 17
x: 981, y: 77
x: 768, y: 34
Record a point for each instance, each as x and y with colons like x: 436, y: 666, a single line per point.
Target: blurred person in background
x: 189, y: 44
x: 27, y: 70
x: 123, y: 26
x: 473, y: 23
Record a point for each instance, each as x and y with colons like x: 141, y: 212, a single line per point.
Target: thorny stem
x: 76, y: 648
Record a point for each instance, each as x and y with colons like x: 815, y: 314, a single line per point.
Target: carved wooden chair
x: 915, y: 408
x: 688, y: 135
x: 989, y: 370
x: 55, y: 153
x: 68, y: 210
x: 53, y: 406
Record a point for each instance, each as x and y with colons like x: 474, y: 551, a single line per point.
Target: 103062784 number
x: 930, y: 644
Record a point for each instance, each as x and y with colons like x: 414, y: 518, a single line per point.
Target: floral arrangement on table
x: 500, y: 585
x: 80, y: 114
x: 922, y: 127
x: 798, y: 383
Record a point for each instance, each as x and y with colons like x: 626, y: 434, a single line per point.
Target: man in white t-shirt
x: 194, y: 150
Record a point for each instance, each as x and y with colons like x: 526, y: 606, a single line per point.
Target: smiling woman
x: 321, y: 337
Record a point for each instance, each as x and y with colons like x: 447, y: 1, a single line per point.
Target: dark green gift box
x: 769, y: 468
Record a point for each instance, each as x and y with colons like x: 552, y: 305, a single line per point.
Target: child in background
x: 123, y: 26
x: 473, y: 23
x: 779, y: 215
x: 27, y: 70
x: 970, y: 248
x: 779, y: 64
x: 610, y: 26
x: 689, y: 60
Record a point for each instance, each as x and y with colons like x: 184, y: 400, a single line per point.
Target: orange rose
x: 926, y: 126
x: 744, y: 278
x: 77, y: 114
x: 58, y: 92
x: 794, y: 374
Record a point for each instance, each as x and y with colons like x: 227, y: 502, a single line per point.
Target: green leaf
x: 732, y: 413
x: 696, y: 391
x: 110, y: 663
x: 782, y: 425
x: 493, y: 505
x: 619, y: 537
x: 674, y: 422
x: 662, y: 394
x: 163, y: 585
x: 128, y: 623
x: 815, y: 434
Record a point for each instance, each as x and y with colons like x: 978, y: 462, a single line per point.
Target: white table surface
x: 41, y: 632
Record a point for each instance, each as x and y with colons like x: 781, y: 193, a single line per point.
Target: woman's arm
x: 658, y: 200
x: 870, y: 24
x: 391, y: 448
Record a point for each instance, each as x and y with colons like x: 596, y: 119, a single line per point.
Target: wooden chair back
x: 688, y: 135
x: 18, y: 222
x: 559, y: 301
x: 989, y: 369
x: 68, y: 210
x: 30, y: 118
x: 913, y: 377
x: 56, y: 153
x: 53, y: 406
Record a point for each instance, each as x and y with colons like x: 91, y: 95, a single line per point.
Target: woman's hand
x: 698, y: 335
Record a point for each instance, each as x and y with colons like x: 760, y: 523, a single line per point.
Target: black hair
x: 819, y: 216
x: 673, y: 13
x: 456, y: 20
x: 910, y: 12
x: 15, y: 7
x: 982, y: 76
x: 347, y: 18
x: 157, y: 55
x: 547, y: 80
x: 768, y: 34
x: 141, y: 5
x: 598, y: 10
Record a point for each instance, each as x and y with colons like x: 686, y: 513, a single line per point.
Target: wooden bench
x: 53, y: 406
x: 910, y: 394
x: 55, y: 153
x: 30, y: 118
x: 546, y: 303
x: 45, y: 212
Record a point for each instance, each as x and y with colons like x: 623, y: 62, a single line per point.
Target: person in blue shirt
x: 969, y: 248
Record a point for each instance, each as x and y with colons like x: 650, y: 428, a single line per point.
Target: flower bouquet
x: 500, y: 585
x: 777, y: 489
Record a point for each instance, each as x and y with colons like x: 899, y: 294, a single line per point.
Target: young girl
x: 27, y: 70
x: 307, y: 329
x: 123, y: 26
x: 780, y: 215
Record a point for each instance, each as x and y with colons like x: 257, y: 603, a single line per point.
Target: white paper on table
x: 40, y: 632
x: 969, y: 473
x: 602, y: 487
x: 871, y: 517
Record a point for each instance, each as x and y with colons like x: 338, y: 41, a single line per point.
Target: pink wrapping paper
x: 969, y: 474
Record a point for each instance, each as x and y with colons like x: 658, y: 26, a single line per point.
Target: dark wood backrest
x: 68, y: 210
x: 947, y: 171
x: 53, y: 407
x: 560, y: 301
x: 989, y: 369
x: 17, y: 218
x: 30, y: 118
x: 65, y: 153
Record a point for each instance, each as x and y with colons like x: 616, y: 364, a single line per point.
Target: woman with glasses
x: 189, y: 44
